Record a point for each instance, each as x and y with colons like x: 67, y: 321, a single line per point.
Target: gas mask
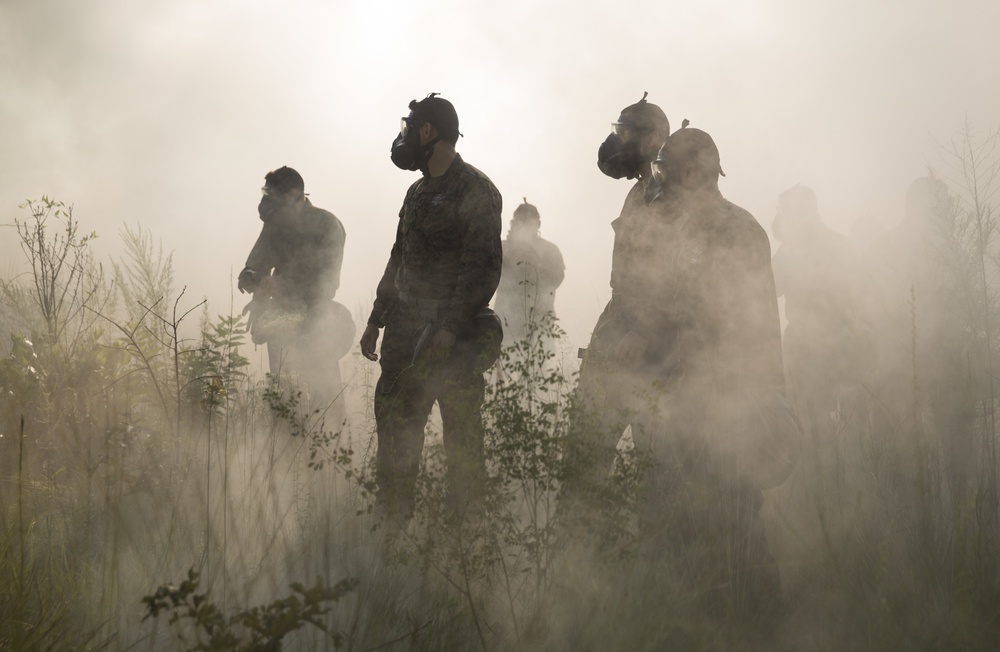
x: 407, y: 153
x: 656, y: 189
x: 524, y: 230
x: 268, y: 207
x: 619, y: 155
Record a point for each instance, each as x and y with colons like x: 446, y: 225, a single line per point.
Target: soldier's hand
x: 631, y: 348
x: 368, y: 341
x: 271, y: 285
x: 440, y: 345
x: 247, y: 281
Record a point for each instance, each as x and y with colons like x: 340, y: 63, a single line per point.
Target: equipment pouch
x: 482, y: 339
x: 478, y: 342
x: 426, y: 333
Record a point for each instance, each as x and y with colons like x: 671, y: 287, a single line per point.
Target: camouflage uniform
x: 609, y: 393
x: 532, y: 270
x: 443, y: 270
x: 305, y: 248
x: 695, y: 282
x: 711, y: 311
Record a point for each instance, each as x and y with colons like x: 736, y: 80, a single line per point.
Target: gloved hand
x: 247, y: 281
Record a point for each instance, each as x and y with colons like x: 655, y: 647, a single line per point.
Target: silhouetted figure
x: 433, y: 303
x: 700, y: 355
x: 922, y: 315
x: 293, y: 272
x: 720, y: 430
x: 607, y: 395
x: 532, y: 271
x: 817, y: 271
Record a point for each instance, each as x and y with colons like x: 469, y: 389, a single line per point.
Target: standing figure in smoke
x: 816, y: 270
x: 713, y: 429
x: 293, y: 272
x: 718, y: 429
x: 440, y: 335
x: 925, y: 328
x: 532, y: 270
x: 606, y: 397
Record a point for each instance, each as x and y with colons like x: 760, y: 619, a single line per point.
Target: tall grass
x: 139, y: 454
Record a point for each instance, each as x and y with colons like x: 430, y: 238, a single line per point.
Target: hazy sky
x: 170, y: 113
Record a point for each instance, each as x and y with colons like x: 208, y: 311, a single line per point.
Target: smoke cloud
x: 170, y: 114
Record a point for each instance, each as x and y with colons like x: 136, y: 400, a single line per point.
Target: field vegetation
x: 158, y: 493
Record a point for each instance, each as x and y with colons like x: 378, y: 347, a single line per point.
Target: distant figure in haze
x: 817, y: 271
x: 925, y: 326
x: 293, y: 271
x: 532, y: 270
x: 440, y: 335
x: 607, y: 396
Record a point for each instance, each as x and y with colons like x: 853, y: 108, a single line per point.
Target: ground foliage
x: 137, y: 447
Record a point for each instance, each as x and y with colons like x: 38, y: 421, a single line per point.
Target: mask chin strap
x: 428, y: 152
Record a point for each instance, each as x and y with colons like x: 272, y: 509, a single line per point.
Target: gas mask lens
x: 659, y: 170
x: 624, y: 131
x: 404, y: 127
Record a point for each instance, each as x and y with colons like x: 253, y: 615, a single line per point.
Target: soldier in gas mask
x: 608, y: 393
x: 817, y: 272
x: 532, y: 271
x: 293, y: 271
x: 721, y: 429
x: 440, y: 335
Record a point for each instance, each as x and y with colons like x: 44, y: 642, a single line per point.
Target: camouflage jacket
x: 533, y: 269
x: 305, y: 248
x: 447, y: 246
x: 630, y: 240
x: 710, y: 303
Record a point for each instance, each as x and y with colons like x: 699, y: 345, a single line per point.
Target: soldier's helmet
x: 690, y: 144
x: 439, y: 112
x: 284, y: 179
x: 798, y: 213
x: 527, y: 213
x: 645, y: 117
x: 799, y: 202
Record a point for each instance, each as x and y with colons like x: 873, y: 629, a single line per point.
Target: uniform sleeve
x: 387, y: 294
x: 553, y: 269
x: 332, y: 258
x: 481, y: 259
x: 621, y: 251
x: 261, y: 258
x: 750, y: 332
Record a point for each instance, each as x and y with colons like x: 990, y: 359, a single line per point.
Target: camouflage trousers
x: 404, y: 396
x: 608, y: 399
x: 699, y: 526
x: 696, y: 523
